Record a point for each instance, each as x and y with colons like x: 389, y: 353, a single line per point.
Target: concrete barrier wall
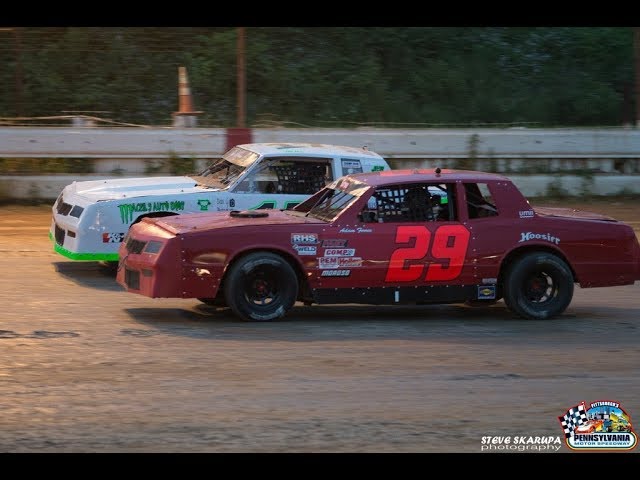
x: 61, y: 142
x: 121, y: 143
x: 457, y: 143
x: 613, y: 154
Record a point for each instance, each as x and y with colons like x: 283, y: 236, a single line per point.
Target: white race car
x: 91, y: 218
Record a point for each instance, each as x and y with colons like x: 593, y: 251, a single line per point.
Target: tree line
x: 325, y: 76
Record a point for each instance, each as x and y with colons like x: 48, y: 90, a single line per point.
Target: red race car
x: 392, y: 237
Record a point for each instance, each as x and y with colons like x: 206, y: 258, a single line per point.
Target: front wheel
x: 261, y: 286
x: 538, y: 286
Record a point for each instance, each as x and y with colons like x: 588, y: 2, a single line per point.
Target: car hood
x: 571, y: 213
x: 117, y: 188
x: 200, y: 222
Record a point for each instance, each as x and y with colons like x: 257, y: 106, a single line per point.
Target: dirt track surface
x: 87, y: 367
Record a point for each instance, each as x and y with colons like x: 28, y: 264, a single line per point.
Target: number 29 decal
x: 449, y: 244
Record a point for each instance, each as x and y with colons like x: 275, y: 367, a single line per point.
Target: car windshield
x: 223, y: 172
x: 331, y: 201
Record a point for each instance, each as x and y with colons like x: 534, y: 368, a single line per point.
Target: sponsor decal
x: 304, y: 238
x: 128, y: 209
x: 305, y: 249
x: 335, y: 273
x: 524, y: 237
x: 525, y: 213
x: 339, y: 262
x: 232, y: 203
x: 349, y: 261
x: 351, y: 166
x: 489, y: 280
x: 603, y: 425
x: 112, y: 237
x: 487, y: 292
x: 355, y: 230
x: 339, y: 252
x: 350, y: 163
x: 204, y: 204
x: 334, y: 243
x: 517, y: 443
x: 377, y: 168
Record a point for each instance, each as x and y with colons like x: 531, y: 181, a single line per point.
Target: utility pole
x: 18, y: 45
x: 241, y: 79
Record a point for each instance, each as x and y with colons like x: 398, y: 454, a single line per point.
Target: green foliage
x: 180, y: 165
x: 328, y: 76
x: 153, y: 166
x: 556, y: 190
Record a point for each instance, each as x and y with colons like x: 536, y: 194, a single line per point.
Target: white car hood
x: 117, y: 188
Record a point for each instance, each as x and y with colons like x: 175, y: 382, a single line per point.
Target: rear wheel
x: 261, y: 286
x: 538, y: 286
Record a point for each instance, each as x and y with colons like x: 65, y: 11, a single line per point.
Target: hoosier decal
x: 538, y: 236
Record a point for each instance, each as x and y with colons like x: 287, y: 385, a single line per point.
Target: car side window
x: 288, y: 175
x: 411, y: 203
x: 479, y: 201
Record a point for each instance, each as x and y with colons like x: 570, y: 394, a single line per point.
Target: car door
x: 421, y: 238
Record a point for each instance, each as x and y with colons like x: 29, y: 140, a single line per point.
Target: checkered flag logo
x: 574, y: 417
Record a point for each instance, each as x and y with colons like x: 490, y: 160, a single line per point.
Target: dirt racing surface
x: 87, y: 367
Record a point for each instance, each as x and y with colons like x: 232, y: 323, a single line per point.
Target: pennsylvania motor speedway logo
x: 603, y: 425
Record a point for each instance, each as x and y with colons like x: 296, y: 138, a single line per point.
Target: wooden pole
x: 241, y: 79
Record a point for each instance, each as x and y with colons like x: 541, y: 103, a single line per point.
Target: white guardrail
x: 607, y: 160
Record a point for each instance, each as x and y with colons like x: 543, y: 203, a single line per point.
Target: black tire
x: 261, y: 286
x: 538, y: 286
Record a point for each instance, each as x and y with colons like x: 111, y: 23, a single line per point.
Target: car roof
x: 425, y: 175
x: 308, y: 149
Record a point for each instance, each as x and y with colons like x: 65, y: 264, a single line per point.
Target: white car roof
x: 308, y: 149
